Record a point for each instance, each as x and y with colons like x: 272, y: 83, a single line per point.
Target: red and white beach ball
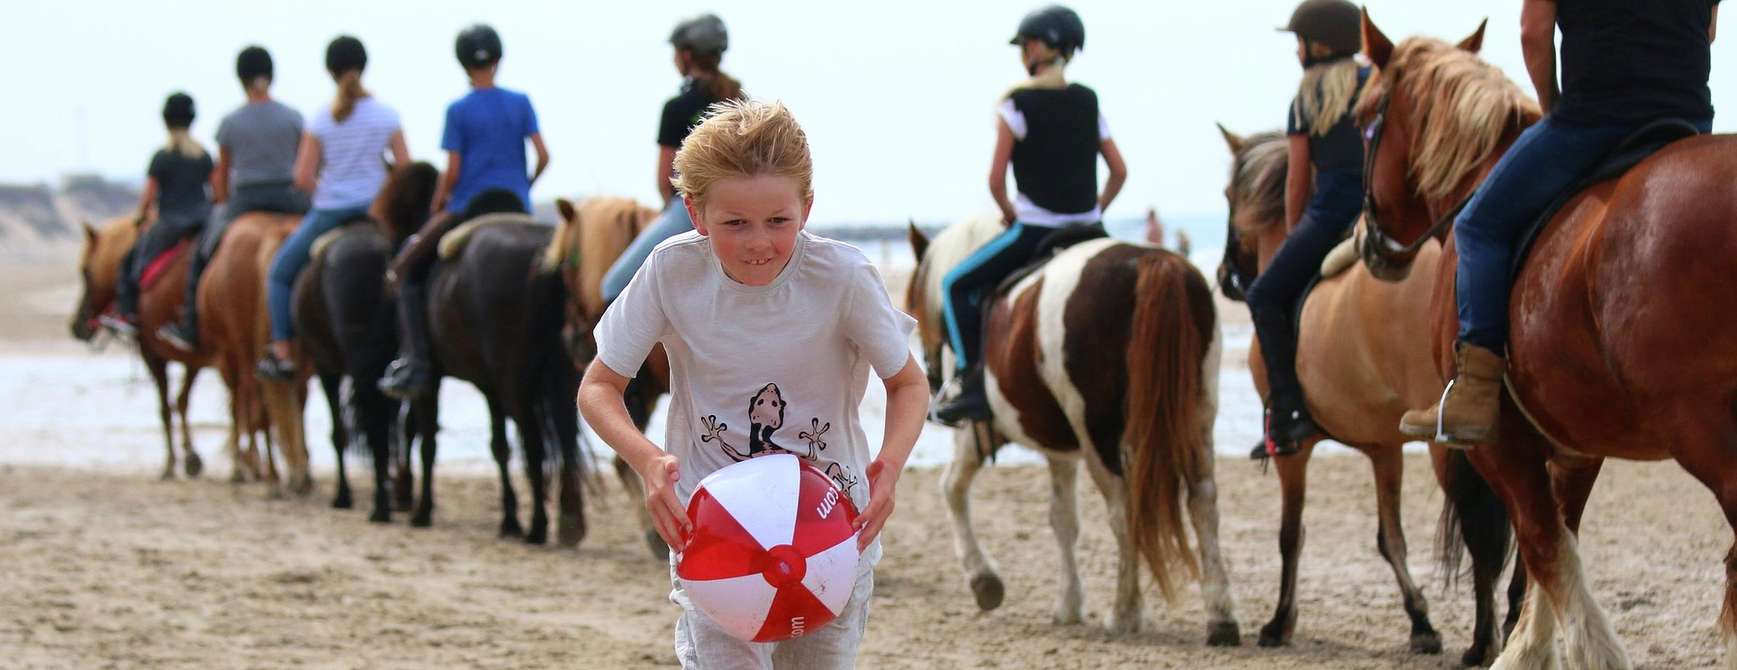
x: 772, y: 554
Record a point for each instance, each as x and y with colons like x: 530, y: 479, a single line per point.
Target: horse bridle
x: 1378, y: 246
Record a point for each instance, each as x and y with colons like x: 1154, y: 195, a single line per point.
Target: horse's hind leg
x: 564, y: 420
x: 1126, y: 615
x: 159, y: 370
x: 1390, y: 540
x: 1221, y: 626
x: 398, y: 444
x: 1480, y: 522
x: 503, y: 455
x: 980, y: 572
x: 1708, y: 457
x: 1293, y: 489
x: 1064, y: 518
x: 190, y: 461
x: 535, y: 452
x: 636, y: 492
x: 331, y: 385
x: 424, y: 414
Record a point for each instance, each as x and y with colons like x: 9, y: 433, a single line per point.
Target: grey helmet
x: 703, y: 34
x: 1054, y: 25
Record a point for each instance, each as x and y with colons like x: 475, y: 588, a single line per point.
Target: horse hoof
x: 511, y: 528
x: 1426, y: 643
x: 1122, y: 626
x: 1223, y: 634
x: 1475, y: 657
x: 380, y: 515
x: 1274, y: 635
x: 422, y: 520
x: 342, y: 501
x: 659, y: 550
x: 987, y: 589
x: 570, y: 533
x: 404, y: 505
x: 537, y: 536
x: 236, y: 477
x: 193, y: 466
x: 168, y: 474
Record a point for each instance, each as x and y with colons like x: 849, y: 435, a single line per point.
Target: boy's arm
x: 448, y: 179
x: 542, y: 158
x: 1118, y: 173
x: 907, y: 407
x: 600, y: 403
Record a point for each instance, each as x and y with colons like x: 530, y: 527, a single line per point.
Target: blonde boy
x: 771, y: 332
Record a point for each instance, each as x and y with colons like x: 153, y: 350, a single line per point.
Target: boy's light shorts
x: 701, y: 645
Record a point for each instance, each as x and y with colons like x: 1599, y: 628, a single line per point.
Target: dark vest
x: 1628, y: 62
x: 1056, y: 165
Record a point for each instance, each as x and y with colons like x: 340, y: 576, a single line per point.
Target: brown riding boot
x: 1471, y: 406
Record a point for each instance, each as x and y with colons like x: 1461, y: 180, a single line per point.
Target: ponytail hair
x: 719, y: 86
x: 350, y: 92
x: 181, y: 142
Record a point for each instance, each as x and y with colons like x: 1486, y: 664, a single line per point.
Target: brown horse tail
x: 1473, y: 519
x: 1168, y: 409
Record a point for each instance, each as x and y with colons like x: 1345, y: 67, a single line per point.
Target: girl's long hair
x: 350, y: 92
x: 1326, y: 94
x: 719, y: 86
x: 181, y: 142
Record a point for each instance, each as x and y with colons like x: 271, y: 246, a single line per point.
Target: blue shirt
x: 487, y: 129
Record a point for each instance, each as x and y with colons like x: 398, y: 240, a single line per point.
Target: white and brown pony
x: 1109, y: 355
x: 1361, y: 360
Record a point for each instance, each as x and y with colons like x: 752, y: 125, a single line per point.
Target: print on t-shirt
x: 765, y: 418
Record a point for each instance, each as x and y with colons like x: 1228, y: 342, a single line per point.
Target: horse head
x: 1435, y: 117
x: 592, y: 234
x: 402, y: 205
x: 99, y: 268
x: 1256, y: 197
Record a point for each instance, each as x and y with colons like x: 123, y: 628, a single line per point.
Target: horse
x: 592, y: 234
x: 1358, y: 360
x: 348, y: 330
x: 495, y: 321
x: 1619, y: 347
x: 1057, y: 339
x: 231, y: 295
x: 100, y: 263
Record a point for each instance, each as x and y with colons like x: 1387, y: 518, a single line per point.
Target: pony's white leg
x: 1064, y: 518
x: 1591, y: 640
x: 1532, y: 645
x: 1126, y: 615
x: 1221, y: 625
x: 980, y: 571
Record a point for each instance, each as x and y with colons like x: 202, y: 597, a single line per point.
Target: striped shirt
x: 352, y: 165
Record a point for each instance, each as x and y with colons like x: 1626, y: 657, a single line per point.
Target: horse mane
x: 1257, y: 181
x: 1462, y: 107
x: 403, y: 200
x: 948, y: 249
x: 592, y: 235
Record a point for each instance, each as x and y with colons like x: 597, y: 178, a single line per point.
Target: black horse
x: 345, y: 319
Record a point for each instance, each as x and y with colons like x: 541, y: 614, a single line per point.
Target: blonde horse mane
x: 104, y: 248
x: 1257, y: 178
x: 591, y: 236
x: 1462, y: 107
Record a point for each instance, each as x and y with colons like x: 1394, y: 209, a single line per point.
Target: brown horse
x: 232, y: 298
x: 100, y: 267
x: 1056, y: 341
x: 593, y: 233
x: 1620, y: 345
x: 1358, y: 359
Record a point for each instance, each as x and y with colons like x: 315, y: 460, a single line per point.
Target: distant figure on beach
x: 1154, y: 228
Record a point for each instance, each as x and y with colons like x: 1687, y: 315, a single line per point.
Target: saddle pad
x: 1340, y: 259
x: 318, y: 250
x: 160, y: 265
x: 452, y: 243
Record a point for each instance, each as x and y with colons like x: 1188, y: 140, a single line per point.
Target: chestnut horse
x: 1621, y: 346
x: 1108, y: 354
x: 593, y: 233
x: 100, y: 267
x: 1359, y: 360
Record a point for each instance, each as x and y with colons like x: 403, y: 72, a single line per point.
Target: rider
x: 1624, y: 65
x: 1053, y: 132
x: 343, y: 146
x: 1324, y: 141
x: 256, y: 154
x: 176, y: 182
x: 699, y: 44
x: 485, y: 149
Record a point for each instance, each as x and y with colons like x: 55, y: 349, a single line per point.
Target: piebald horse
x: 1109, y: 355
x: 100, y: 268
x: 1359, y: 360
x: 593, y: 233
x: 1622, y: 345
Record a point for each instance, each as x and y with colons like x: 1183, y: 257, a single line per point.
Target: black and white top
x: 1058, y: 132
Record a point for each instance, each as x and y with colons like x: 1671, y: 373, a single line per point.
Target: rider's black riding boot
x: 970, y: 404
x: 1288, y: 420
x: 411, y: 375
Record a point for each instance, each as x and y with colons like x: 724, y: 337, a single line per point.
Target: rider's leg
x: 673, y: 221
x: 962, y: 290
x: 291, y: 257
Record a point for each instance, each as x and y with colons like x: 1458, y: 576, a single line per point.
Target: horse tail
x: 1472, y: 517
x: 1168, y: 408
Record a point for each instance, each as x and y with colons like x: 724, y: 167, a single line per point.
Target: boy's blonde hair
x: 743, y: 138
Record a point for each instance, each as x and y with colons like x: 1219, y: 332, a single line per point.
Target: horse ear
x: 1376, y: 44
x: 565, y: 206
x: 919, y: 241
x: 1475, y: 41
x: 1235, y: 141
x: 90, y: 234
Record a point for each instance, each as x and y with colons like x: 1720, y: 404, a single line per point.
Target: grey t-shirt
x: 755, y: 370
x: 262, y: 138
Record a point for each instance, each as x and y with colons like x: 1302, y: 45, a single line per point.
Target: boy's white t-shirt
x: 758, y: 369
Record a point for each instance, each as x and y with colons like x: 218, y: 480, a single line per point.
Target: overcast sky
x: 896, y: 95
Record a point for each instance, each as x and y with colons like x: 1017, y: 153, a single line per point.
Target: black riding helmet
x: 1338, y: 24
x: 253, y: 63
x: 703, y: 34
x: 178, y: 110
x: 345, y: 54
x: 1054, y: 25
x: 478, y: 47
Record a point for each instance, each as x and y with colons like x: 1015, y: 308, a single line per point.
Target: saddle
x: 1637, y: 147
x: 159, y: 266
x: 326, y: 239
x: 452, y: 243
x: 1056, y: 243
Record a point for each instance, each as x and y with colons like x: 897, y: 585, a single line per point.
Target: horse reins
x: 1377, y: 244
